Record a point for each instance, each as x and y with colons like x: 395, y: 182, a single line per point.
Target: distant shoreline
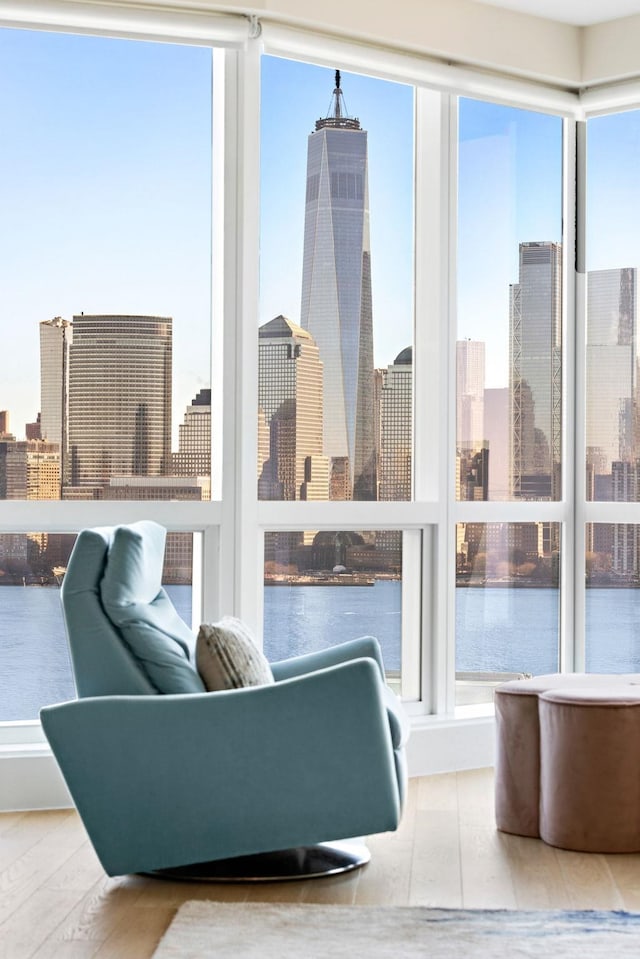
x: 319, y: 578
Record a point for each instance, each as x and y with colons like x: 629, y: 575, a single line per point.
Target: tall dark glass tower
x: 336, y: 294
x: 535, y: 373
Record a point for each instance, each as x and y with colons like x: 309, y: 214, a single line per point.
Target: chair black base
x: 300, y: 862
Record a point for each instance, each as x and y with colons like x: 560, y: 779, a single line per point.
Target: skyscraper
x: 611, y: 367
x: 194, y: 438
x: 336, y: 292
x: 472, y: 453
x: 396, y: 418
x: 496, y: 432
x: 535, y: 373
x: 290, y: 403
x: 29, y: 469
x: 56, y: 336
x: 119, y: 398
x: 470, y: 367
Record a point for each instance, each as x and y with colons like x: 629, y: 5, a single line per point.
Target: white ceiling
x: 581, y: 13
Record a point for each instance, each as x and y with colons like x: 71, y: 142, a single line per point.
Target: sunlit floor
x: 56, y: 902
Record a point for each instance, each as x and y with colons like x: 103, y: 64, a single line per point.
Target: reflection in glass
x: 611, y: 383
x: 613, y: 150
x: 612, y: 598
x: 612, y: 561
x: 507, y: 604
x: 509, y: 348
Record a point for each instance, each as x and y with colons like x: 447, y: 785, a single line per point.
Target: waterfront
x: 498, y: 630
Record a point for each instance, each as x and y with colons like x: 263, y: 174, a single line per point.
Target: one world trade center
x: 336, y: 296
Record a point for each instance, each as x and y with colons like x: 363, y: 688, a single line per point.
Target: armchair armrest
x: 364, y: 646
x: 168, y: 780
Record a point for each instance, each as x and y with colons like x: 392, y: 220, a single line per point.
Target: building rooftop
x: 283, y: 327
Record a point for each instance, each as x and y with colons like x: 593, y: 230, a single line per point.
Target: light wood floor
x: 57, y: 903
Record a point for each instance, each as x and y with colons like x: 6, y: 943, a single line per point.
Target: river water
x: 501, y: 630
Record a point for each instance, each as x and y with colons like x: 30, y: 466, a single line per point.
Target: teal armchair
x: 194, y: 782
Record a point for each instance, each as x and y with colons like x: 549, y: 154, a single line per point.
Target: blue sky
x: 105, y: 193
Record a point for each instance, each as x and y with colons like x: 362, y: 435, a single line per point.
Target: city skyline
x: 509, y: 181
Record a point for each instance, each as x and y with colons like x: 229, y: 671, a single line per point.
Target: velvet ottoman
x: 568, y: 762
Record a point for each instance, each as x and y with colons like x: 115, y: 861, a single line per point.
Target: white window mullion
x: 576, y: 653
x: 435, y: 244
x: 411, y: 617
x: 573, y: 458
x: 249, y: 555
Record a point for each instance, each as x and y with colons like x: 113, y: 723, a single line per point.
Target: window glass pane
x: 35, y: 668
x: 507, y: 604
x: 336, y: 304
x: 509, y: 328
x: 105, y: 240
x: 324, y: 588
x: 613, y: 251
x: 612, y: 597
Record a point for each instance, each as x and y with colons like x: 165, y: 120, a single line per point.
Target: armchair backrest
x: 125, y: 636
x: 102, y: 663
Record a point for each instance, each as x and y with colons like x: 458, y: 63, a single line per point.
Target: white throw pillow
x: 227, y: 656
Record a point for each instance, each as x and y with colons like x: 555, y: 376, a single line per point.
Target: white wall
x: 611, y: 51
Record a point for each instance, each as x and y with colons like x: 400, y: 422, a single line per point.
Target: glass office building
x: 119, y: 398
x: 336, y: 293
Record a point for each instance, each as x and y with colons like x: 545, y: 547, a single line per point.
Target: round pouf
x: 590, y: 768
x: 517, y: 779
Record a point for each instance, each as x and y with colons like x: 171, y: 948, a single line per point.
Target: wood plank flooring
x: 57, y: 903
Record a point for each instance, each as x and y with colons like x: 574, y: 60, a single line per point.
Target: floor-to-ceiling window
x: 336, y: 357
x: 392, y: 262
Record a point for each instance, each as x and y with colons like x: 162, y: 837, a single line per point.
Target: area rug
x: 203, y: 929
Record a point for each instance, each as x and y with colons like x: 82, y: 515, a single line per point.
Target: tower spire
x: 338, y: 115
x: 337, y: 98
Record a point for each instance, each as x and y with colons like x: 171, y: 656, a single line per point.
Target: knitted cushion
x: 227, y: 656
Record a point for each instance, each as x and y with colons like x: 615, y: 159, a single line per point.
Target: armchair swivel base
x: 299, y: 862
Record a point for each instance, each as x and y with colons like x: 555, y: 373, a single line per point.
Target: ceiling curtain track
x: 129, y: 21
x: 392, y: 64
